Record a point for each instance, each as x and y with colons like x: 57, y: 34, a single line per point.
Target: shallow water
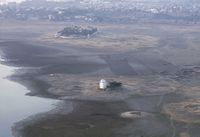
x: 15, y: 105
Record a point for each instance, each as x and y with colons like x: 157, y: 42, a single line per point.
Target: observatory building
x: 103, y: 84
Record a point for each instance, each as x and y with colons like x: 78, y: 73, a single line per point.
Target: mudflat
x: 157, y: 64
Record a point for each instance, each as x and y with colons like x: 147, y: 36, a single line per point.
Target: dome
x: 103, y: 84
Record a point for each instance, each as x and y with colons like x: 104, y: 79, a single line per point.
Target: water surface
x: 14, y: 104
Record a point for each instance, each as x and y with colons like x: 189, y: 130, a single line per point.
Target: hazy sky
x: 5, y: 1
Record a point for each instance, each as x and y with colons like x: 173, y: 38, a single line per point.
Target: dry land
x: 157, y: 64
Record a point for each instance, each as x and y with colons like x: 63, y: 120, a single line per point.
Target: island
x: 76, y: 31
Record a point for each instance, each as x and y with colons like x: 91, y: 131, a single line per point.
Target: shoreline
x: 16, y: 102
x: 19, y: 128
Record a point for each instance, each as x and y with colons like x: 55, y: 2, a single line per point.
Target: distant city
x: 126, y: 11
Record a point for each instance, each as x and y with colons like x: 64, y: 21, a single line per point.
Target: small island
x: 76, y: 31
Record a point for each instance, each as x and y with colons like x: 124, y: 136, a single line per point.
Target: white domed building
x: 103, y: 84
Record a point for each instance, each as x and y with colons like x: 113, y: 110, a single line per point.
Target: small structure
x: 114, y: 84
x: 103, y: 84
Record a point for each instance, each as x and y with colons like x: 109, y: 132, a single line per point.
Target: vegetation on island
x: 77, y: 31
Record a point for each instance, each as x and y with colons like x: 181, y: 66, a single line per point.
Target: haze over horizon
x: 18, y: 1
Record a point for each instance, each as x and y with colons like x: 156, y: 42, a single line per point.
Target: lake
x: 14, y: 104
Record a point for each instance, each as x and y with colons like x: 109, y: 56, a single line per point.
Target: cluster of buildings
x: 103, y: 10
